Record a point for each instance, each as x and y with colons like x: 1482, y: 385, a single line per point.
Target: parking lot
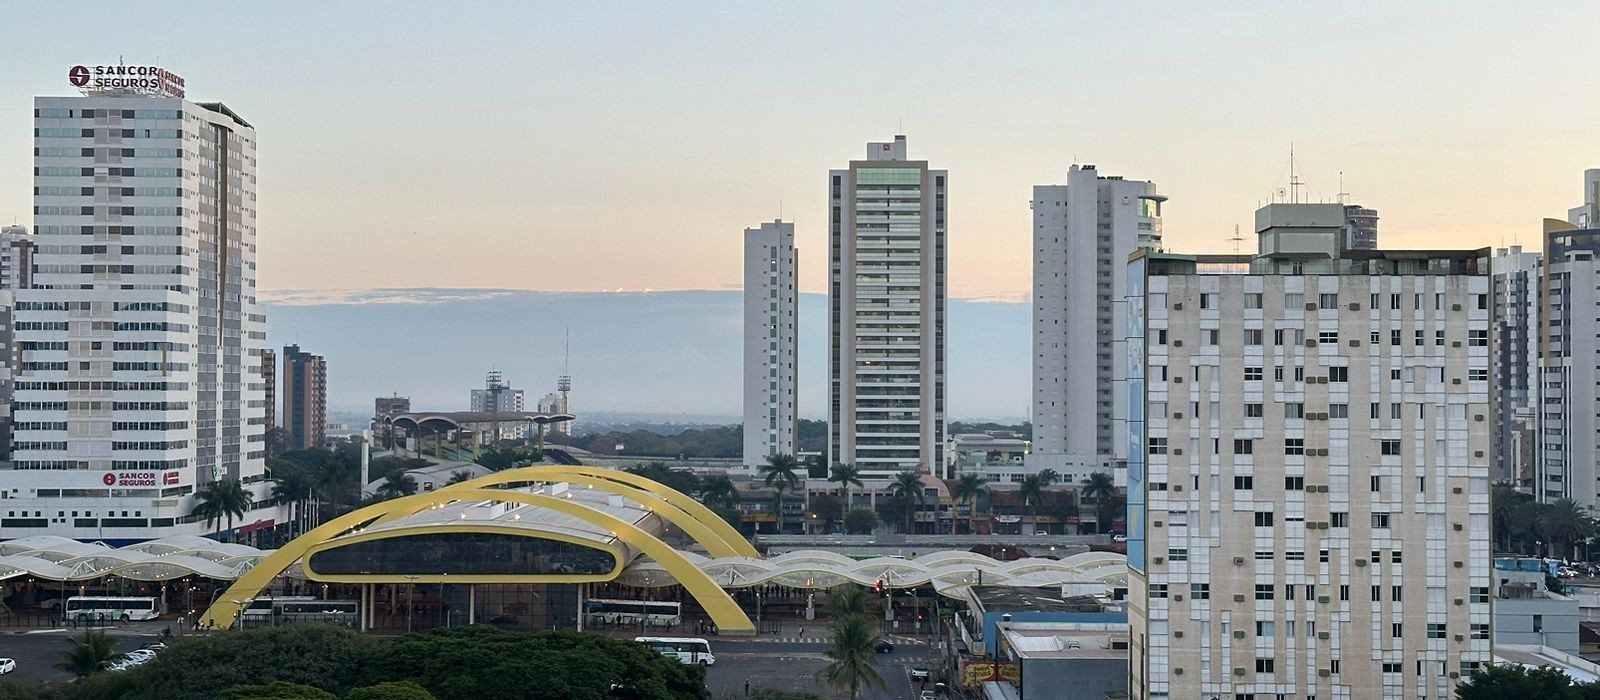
x: 37, y: 653
x: 793, y: 667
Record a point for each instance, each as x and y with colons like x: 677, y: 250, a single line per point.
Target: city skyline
x: 631, y: 102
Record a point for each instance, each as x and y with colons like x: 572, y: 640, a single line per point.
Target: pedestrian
x: 747, y: 687
x: 801, y: 633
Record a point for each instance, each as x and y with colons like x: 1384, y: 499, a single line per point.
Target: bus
x: 263, y: 612
x: 112, y: 608
x: 652, y: 612
x: 688, y: 650
x: 259, y: 612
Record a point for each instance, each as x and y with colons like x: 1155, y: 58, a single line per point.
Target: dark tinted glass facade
x: 458, y: 553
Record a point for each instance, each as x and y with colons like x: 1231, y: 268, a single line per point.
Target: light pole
x: 411, y: 585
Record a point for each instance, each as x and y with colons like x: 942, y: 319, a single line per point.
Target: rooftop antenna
x: 1294, y: 178
x: 564, y: 382
x: 1236, y: 239
x: 1343, y: 197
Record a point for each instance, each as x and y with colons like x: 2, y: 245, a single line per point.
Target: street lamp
x: 411, y: 583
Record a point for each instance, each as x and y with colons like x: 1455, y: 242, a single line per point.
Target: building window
x: 1328, y: 337
x: 1158, y: 445
x: 1252, y: 336
x: 1244, y: 483
x: 1294, y: 483
x: 1294, y: 410
x: 1380, y: 521
x: 1252, y: 410
x: 1389, y: 448
x: 1252, y: 374
x: 1200, y: 591
x: 1265, y: 591
x: 1158, y: 591
x: 1208, y: 301
x: 1252, y: 300
x: 1263, y: 519
x: 1294, y: 446
x: 1244, y: 447
x: 1478, y: 339
x: 1397, y: 630
x: 1265, y: 629
x: 1336, y: 520
x: 1339, y: 374
x: 1178, y: 555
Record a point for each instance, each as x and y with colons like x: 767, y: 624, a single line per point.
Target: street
x: 38, y: 652
x: 793, y: 667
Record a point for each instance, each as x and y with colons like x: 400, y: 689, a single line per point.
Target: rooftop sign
x: 152, y: 81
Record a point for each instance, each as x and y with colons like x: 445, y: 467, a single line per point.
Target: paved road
x: 37, y: 653
x: 793, y: 667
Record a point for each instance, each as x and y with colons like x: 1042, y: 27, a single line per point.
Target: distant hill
x: 671, y: 357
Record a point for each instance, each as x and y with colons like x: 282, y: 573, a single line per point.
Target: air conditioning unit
x: 1161, y: 560
x: 1178, y: 306
x: 1311, y: 306
x: 1459, y: 638
x: 1457, y: 527
x: 1177, y: 343
x: 1455, y: 307
x: 1179, y: 487
x: 1177, y: 596
x: 1238, y: 598
x: 1177, y: 671
x: 1361, y: 562
x: 1177, y: 634
x: 1177, y: 451
x: 1454, y: 675
x: 1459, y: 601
x: 1460, y: 565
x: 1239, y: 671
x: 1355, y: 307
x: 1355, y: 343
x: 1322, y: 599
x: 1177, y: 415
x: 1238, y: 561
x: 1311, y: 343
x: 1455, y: 343
x: 1156, y: 523
x: 1322, y: 635
x: 1323, y: 672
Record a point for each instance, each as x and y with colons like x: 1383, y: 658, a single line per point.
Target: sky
x: 625, y: 146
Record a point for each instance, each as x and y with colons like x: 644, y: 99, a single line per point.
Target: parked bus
x: 263, y: 612
x: 112, y: 608
x: 259, y: 612
x: 657, y: 613
x: 688, y: 650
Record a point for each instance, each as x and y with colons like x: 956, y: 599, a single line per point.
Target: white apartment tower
x: 886, y: 295
x: 1588, y: 214
x: 1309, y: 496
x: 140, y: 337
x: 497, y: 396
x: 1515, y: 311
x: 1083, y: 233
x: 771, y: 302
x: 1570, y: 364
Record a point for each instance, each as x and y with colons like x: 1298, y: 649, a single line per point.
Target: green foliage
x: 812, y: 436
x: 1100, y: 488
x: 852, y: 662
x: 1022, y: 430
x: 1515, y: 682
x: 395, y: 485
x: 828, y: 508
x: 860, y: 521
x: 770, y: 694
x: 1554, y: 585
x: 718, y: 490
x: 709, y: 441
x: 220, y: 501
x: 502, y: 458
x: 906, y: 491
x: 325, y: 656
x: 402, y: 690
x: 680, y: 480
x: 779, y: 474
x: 729, y: 514
x: 87, y: 653
x: 1522, y: 525
x: 276, y: 690
x: 483, y: 663
x: 847, y: 600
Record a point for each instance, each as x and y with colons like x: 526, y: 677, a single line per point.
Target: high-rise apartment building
x: 1515, y: 300
x: 16, y: 257
x: 1361, y: 227
x: 886, y: 295
x: 1587, y: 215
x: 139, y: 333
x: 305, y: 399
x: 497, y: 396
x: 1570, y: 364
x: 1083, y: 233
x: 771, y: 303
x: 269, y: 387
x: 1309, y: 496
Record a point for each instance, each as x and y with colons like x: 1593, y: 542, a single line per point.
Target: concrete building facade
x: 1309, y: 468
x: 16, y: 257
x: 1570, y: 364
x: 886, y: 295
x: 497, y: 395
x: 1083, y: 233
x: 1516, y: 298
x: 771, y: 303
x: 139, y: 333
x: 305, y: 399
x: 1361, y: 227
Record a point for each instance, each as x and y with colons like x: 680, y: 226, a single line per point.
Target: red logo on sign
x: 79, y: 75
x: 169, y: 478
x: 109, y: 479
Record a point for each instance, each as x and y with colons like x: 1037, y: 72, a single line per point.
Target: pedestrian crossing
x: 893, y: 639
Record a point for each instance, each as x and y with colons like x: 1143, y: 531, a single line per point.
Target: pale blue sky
x: 626, y: 145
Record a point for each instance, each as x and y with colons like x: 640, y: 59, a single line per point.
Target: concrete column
x: 472, y: 603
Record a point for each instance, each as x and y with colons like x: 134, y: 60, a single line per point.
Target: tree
x: 847, y: 600
x: 222, y: 500
x: 852, y: 662
x: 680, y: 480
x: 395, y: 485
x: 403, y: 690
x: 324, y: 656
x: 1102, y: 489
x: 87, y: 653
x: 968, y: 488
x: 845, y: 475
x: 718, y: 490
x: 292, y: 484
x: 1565, y: 524
x: 1049, y: 476
x: 778, y: 474
x: 273, y: 442
x: 1525, y: 519
x: 907, y: 489
x: 1032, y: 491
x: 860, y: 521
x: 1503, y: 501
x: 276, y: 690
x: 828, y: 508
x: 1513, y: 682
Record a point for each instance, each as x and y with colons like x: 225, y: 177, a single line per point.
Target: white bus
x: 259, y: 611
x: 112, y: 608
x: 688, y: 650
x: 656, y: 613
x: 285, y: 609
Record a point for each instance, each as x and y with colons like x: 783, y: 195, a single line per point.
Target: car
x: 1041, y: 533
x: 919, y: 673
x: 927, y: 695
x: 154, y: 646
x: 7, y: 666
x: 883, y: 646
x: 1119, y: 538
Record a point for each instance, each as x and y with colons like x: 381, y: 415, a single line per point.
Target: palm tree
x: 1525, y: 519
x: 1032, y: 491
x: 968, y: 488
x: 1503, y: 502
x: 847, y: 600
x: 1049, y: 476
x: 852, y: 662
x: 457, y: 477
x: 778, y: 474
x: 87, y: 653
x: 1564, y: 523
x: 396, y: 484
x: 718, y: 490
x: 222, y: 500
x: 291, y: 484
x: 845, y: 475
x: 907, y: 488
x: 1100, y: 487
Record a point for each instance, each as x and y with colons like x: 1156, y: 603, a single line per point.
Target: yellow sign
x: 976, y: 672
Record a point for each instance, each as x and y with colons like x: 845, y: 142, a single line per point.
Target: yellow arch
x: 701, y: 523
x: 723, y: 611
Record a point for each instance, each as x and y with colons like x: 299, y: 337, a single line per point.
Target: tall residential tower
x: 1569, y: 369
x: 1308, y: 489
x: 305, y: 399
x: 771, y: 303
x: 1515, y: 301
x: 140, y: 336
x: 1083, y: 233
x: 886, y: 296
